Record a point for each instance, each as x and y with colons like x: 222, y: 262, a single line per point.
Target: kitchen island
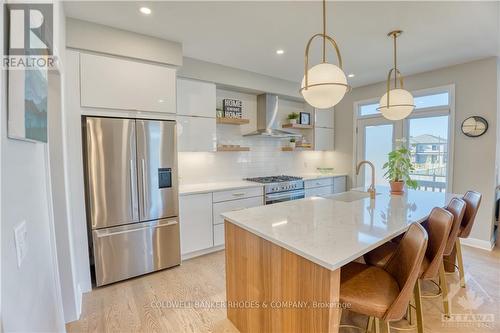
x: 283, y: 261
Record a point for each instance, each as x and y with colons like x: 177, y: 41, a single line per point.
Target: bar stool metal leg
x: 444, y: 288
x: 460, y: 260
x: 418, y: 307
x: 369, y: 325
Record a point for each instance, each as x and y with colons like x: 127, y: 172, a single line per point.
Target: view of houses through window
x: 428, y: 143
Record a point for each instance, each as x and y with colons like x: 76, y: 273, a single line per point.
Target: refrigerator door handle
x: 143, y: 175
x: 132, y: 204
x: 103, y: 233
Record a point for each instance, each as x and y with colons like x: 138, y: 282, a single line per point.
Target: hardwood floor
x: 145, y: 304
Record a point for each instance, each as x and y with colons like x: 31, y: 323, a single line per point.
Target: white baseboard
x: 201, y: 252
x: 478, y: 243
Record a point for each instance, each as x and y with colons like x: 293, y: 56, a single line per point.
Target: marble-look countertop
x: 198, y: 188
x: 186, y: 189
x: 332, y: 233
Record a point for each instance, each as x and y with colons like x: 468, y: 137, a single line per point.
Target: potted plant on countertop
x: 292, y: 118
x: 399, y: 167
x: 292, y: 143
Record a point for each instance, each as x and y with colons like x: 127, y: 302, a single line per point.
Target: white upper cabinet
x: 324, y: 118
x: 196, y: 134
x: 196, y: 98
x: 114, y: 83
x: 323, y: 139
x: 323, y: 129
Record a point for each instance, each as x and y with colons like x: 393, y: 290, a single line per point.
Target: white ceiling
x: 246, y: 34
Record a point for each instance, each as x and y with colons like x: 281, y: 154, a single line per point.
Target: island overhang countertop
x: 334, y: 230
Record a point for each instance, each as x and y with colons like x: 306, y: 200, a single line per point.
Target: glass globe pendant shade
x: 326, y: 85
x: 400, y: 104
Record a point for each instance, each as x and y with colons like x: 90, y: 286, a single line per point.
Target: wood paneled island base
x: 270, y: 289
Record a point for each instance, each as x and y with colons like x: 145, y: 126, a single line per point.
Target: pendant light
x: 324, y: 85
x: 397, y: 103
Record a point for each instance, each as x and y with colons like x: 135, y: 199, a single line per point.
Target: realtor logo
x: 30, y: 29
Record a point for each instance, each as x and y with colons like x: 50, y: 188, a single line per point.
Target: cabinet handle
x: 238, y: 194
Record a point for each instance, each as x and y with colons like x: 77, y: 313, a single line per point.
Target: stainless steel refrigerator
x: 131, y: 196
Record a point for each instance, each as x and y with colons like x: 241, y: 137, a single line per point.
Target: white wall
x: 233, y: 77
x: 498, y: 117
x: 30, y: 293
x: 265, y: 156
x: 474, y: 158
x: 99, y: 38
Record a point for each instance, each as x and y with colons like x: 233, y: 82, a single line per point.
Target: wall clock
x: 474, y: 126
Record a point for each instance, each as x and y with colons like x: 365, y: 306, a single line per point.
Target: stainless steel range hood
x: 267, y: 122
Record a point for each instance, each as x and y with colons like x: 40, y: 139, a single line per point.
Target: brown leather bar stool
x: 384, y: 293
x: 457, y: 207
x: 438, y: 226
x: 473, y: 201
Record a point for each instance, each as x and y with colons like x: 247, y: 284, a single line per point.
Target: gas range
x: 281, y: 188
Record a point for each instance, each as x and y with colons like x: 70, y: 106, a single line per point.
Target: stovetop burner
x: 273, y: 179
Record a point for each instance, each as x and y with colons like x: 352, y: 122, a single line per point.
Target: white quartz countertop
x: 333, y: 233
x: 186, y: 189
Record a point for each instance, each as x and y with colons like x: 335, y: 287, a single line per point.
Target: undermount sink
x: 350, y: 196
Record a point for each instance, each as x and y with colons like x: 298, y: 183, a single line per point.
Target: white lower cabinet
x: 325, y: 186
x: 339, y: 184
x: 228, y: 206
x: 196, y: 226
x: 201, y: 223
x: 219, y: 234
x: 319, y: 191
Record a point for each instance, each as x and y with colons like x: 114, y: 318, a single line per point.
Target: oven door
x: 284, y: 196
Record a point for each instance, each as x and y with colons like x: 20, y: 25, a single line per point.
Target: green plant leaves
x: 399, y: 167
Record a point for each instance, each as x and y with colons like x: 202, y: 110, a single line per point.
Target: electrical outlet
x: 20, y: 236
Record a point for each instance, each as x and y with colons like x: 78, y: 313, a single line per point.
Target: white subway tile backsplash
x: 227, y: 166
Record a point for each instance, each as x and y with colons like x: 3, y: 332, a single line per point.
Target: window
x: 368, y: 109
x: 433, y: 100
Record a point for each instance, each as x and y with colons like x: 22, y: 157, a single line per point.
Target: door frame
x: 402, y: 128
x: 397, y: 130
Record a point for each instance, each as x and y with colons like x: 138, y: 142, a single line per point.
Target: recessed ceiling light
x: 280, y: 51
x: 145, y: 10
x: 351, y: 75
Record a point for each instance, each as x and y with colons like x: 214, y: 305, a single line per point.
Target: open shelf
x: 297, y: 148
x: 233, y: 121
x: 297, y: 126
x: 233, y: 148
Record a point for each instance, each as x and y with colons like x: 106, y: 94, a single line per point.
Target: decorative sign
x: 232, y: 108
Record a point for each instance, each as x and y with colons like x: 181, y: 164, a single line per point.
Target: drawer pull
x: 238, y: 194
